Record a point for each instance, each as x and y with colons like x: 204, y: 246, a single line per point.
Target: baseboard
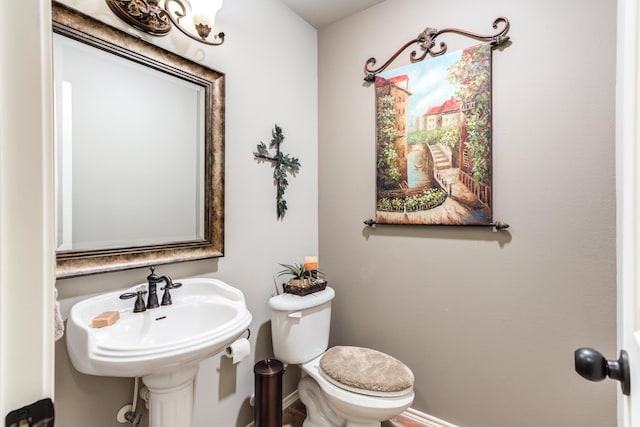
x: 290, y: 400
x: 410, y: 414
x: 286, y: 402
x: 424, y: 419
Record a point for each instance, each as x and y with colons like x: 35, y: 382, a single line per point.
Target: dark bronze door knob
x: 592, y: 365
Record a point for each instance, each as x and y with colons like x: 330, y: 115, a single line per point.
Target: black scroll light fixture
x: 152, y: 18
x: 593, y: 366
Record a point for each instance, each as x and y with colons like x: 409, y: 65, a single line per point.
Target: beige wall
x: 488, y: 321
x: 270, y: 61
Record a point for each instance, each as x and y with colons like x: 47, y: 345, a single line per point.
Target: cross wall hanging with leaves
x: 282, y: 165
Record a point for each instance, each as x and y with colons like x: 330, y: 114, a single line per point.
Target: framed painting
x: 433, y: 140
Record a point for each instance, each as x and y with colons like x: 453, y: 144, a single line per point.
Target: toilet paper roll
x: 238, y: 350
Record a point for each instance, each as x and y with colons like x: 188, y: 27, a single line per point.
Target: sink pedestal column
x: 171, y: 397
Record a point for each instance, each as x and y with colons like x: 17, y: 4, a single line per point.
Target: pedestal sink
x: 163, y: 346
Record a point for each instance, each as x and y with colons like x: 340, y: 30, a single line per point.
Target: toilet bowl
x: 352, y: 408
x: 343, y: 386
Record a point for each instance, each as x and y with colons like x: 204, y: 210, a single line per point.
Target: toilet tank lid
x: 291, y: 302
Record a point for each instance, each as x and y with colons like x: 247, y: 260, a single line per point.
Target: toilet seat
x: 312, y: 368
x: 364, y: 392
x: 365, y: 371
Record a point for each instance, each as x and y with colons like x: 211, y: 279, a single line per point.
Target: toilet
x: 342, y: 386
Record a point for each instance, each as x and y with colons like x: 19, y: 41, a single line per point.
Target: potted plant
x: 302, y: 281
x: 299, y: 276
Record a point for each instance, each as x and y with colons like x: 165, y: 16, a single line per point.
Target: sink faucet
x: 152, y: 300
x: 153, y: 280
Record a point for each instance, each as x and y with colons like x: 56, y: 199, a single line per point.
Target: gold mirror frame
x: 76, y: 25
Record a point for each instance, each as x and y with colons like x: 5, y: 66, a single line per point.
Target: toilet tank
x: 300, y: 325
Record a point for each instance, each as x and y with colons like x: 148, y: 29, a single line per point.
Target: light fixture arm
x: 148, y: 16
x: 203, y: 29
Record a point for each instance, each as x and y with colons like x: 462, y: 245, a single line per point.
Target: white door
x: 628, y: 203
x: 26, y: 206
x: 589, y: 362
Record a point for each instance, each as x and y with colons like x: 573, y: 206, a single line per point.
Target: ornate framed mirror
x: 139, y: 149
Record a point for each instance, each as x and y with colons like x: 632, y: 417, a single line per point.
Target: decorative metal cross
x: 282, y: 163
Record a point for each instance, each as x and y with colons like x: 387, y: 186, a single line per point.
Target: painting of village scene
x: 433, y: 135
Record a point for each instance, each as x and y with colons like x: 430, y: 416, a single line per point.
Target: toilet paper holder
x: 239, y: 349
x: 228, y: 349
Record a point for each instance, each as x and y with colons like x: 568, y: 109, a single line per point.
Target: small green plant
x: 298, y: 273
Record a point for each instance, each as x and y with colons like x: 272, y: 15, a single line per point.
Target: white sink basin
x: 206, y: 316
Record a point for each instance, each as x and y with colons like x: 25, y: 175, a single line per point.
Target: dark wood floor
x: 294, y: 415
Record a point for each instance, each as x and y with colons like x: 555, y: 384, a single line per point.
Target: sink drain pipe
x: 128, y: 412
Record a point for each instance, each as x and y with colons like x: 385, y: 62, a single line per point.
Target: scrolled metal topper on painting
x: 426, y: 40
x: 468, y: 179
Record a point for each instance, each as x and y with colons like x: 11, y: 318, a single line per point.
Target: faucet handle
x: 172, y: 286
x: 166, y: 297
x: 139, y: 304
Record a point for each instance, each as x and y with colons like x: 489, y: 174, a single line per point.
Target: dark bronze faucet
x: 153, y: 280
x: 152, y: 300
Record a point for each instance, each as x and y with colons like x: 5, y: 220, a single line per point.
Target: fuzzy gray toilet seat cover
x: 366, y: 369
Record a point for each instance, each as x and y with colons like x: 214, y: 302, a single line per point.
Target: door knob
x: 592, y: 365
